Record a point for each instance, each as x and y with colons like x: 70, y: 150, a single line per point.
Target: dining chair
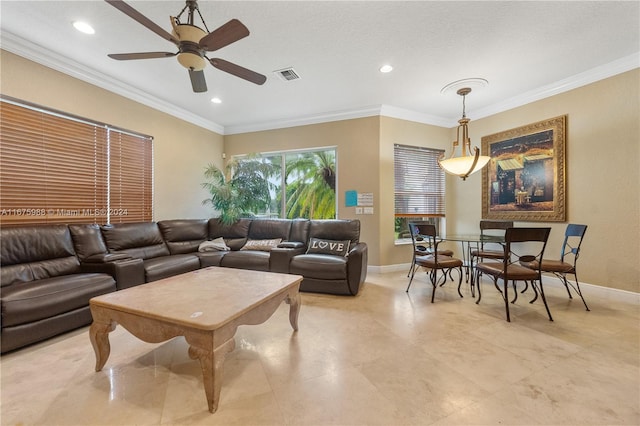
x: 569, y: 254
x: 435, y: 260
x: 421, y: 246
x: 521, y: 245
x: 488, y: 250
x: 486, y: 227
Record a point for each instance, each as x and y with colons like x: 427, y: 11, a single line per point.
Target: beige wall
x: 602, y: 182
x: 603, y: 153
x: 602, y: 177
x: 356, y: 143
x: 394, y: 131
x: 181, y: 150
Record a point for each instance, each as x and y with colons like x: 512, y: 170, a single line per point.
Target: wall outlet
x: 368, y: 210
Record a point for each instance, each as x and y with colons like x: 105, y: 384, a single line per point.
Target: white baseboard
x: 587, y: 289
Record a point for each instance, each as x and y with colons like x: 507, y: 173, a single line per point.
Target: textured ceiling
x: 526, y: 50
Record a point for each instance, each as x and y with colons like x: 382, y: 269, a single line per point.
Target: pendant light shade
x: 469, y: 161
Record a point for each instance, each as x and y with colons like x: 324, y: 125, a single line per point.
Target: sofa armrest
x: 280, y: 257
x: 127, y: 272
x: 291, y: 244
x: 357, y: 266
x: 106, y: 257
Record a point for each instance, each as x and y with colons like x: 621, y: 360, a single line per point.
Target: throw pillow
x: 261, y: 245
x: 214, y: 245
x: 334, y: 247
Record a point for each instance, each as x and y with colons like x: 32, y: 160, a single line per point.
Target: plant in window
x: 312, y: 193
x: 241, y: 189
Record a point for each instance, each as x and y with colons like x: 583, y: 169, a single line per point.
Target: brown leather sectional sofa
x: 49, y: 273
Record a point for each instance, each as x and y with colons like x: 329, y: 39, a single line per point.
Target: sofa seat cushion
x: 321, y: 266
x: 36, y: 300
x: 210, y: 258
x: 247, y: 259
x: 158, y: 268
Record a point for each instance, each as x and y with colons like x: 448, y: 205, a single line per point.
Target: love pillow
x: 336, y: 248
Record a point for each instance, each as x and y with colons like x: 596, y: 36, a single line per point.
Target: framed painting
x: 525, y: 178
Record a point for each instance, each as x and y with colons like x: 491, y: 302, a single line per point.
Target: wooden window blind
x: 130, y: 183
x: 54, y: 168
x: 419, y: 182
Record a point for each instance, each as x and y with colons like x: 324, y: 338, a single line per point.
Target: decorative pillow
x: 334, y: 247
x: 214, y: 245
x: 261, y: 245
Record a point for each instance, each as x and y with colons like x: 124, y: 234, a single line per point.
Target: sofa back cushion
x: 299, y: 230
x: 87, y: 240
x: 184, y: 235
x: 141, y: 240
x: 235, y: 234
x: 336, y: 229
x: 268, y: 229
x: 32, y: 253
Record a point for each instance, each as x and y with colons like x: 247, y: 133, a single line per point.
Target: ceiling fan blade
x: 223, y: 36
x: 137, y: 16
x: 238, y: 71
x: 142, y: 55
x: 198, y: 82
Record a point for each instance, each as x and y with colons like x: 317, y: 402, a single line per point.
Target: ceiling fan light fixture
x: 192, y: 61
x: 187, y: 32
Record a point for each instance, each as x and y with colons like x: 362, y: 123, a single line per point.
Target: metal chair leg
x: 506, y: 300
x: 535, y: 292
x: 434, y: 284
x: 515, y: 292
x: 544, y: 299
x: 580, y: 292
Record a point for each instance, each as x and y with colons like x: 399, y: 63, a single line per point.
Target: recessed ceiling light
x: 216, y: 100
x: 386, y: 68
x: 83, y: 27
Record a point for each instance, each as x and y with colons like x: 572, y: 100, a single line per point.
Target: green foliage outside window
x: 252, y: 186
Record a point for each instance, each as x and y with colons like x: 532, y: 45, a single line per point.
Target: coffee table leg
x: 99, y: 335
x: 211, y: 364
x: 294, y: 309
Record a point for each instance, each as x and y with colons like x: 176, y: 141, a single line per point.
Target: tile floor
x: 384, y: 357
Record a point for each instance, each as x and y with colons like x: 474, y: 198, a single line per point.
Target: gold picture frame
x: 525, y: 178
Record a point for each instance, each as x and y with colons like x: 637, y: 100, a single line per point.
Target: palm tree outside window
x: 302, y: 184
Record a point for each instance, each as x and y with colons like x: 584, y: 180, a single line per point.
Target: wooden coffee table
x: 205, y: 306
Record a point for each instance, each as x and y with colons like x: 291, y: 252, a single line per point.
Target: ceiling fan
x: 192, y: 43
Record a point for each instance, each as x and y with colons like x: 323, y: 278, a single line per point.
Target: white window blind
x: 419, y: 182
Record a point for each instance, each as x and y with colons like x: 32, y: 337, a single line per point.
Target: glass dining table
x: 468, y: 243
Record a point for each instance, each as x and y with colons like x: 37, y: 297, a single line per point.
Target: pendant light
x: 469, y: 161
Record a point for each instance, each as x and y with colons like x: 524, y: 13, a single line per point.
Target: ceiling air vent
x: 287, y: 74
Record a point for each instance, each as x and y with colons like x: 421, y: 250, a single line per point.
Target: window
x: 56, y: 168
x: 419, y: 187
x: 303, y: 184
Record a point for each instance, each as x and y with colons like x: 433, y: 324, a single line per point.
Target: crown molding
x: 593, y: 75
x: 28, y: 50
x: 33, y: 52
x: 370, y: 111
x: 405, y: 114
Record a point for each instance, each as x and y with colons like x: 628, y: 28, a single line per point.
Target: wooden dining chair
x: 435, y: 261
x: 521, y: 244
x: 421, y: 246
x: 569, y: 254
